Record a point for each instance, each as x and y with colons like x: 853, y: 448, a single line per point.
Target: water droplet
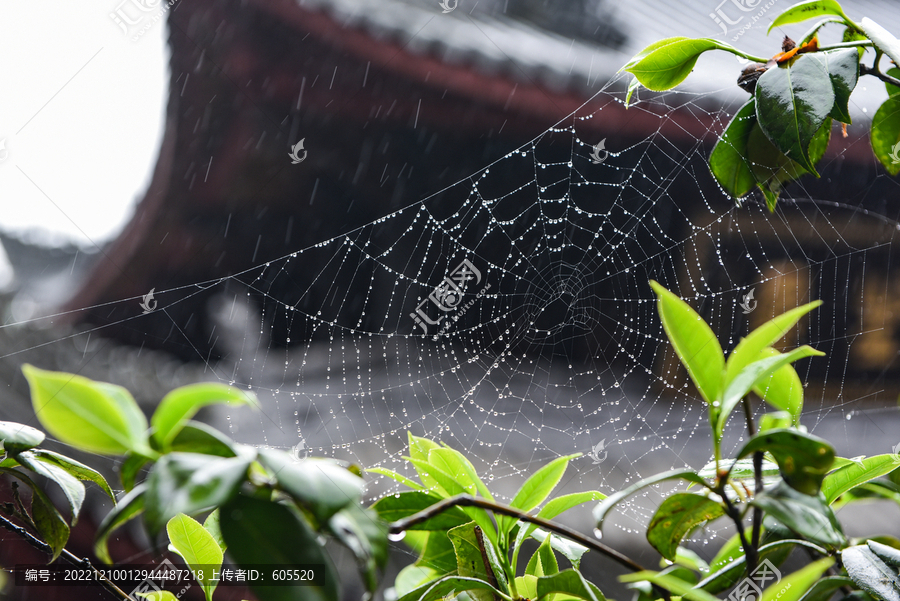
x: 396, y: 536
x: 598, y: 534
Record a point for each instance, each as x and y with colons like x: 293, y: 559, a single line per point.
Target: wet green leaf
x: 728, y: 161
x: 461, y: 469
x: 775, y: 420
x: 536, y: 489
x: 568, y: 582
x: 792, y: 104
x: 853, y: 474
x: 179, y: 405
x: 392, y: 508
x: 808, y: 516
x: 211, y: 524
x: 882, y: 38
x: 810, y: 9
x: 197, y: 547
x: 470, y: 561
x: 671, y: 61
x: 671, y: 583
x: 694, y: 342
x: 51, y: 526
x: 870, y: 573
x: 793, y: 586
x: 74, y: 468
x: 825, y: 588
x: 614, y: 499
x: 885, y: 134
x: 842, y: 67
x: 678, y: 515
x: 397, y: 477
x: 450, y: 585
x: 197, y: 437
x: 361, y: 531
x: 888, y: 555
x: 783, y: 390
x: 72, y: 488
x: 128, y: 507
x: 803, y: 459
x: 15, y: 438
x: 567, y: 548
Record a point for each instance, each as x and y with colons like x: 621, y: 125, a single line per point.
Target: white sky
x: 81, y: 111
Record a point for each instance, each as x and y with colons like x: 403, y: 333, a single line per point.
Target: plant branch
x: 757, y: 488
x: 68, y: 556
x: 866, y: 70
x: 469, y: 501
x: 838, y: 46
x: 735, y: 515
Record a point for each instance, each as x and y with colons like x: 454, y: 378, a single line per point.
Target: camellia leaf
x: 728, y: 161
x: 15, y: 438
x: 853, y: 474
x: 632, y: 86
x: 412, y: 577
x: 449, y: 585
x: 70, y: 485
x: 536, y: 489
x: 567, y: 548
x: 678, y: 515
x: 793, y: 586
x: 612, y: 500
x: 892, y: 90
x: 361, y: 531
x: 91, y: 416
x: 783, y: 390
x: 179, y: 405
x: 320, y: 485
x: 437, y: 553
x: 843, y: 69
x: 792, y: 104
x: 553, y: 508
x: 51, y: 526
x: 568, y: 582
x: 804, y: 11
x: 825, y: 588
x: 468, y: 546
x: 812, y: 31
x: 882, y: 38
x: 74, y: 468
x: 775, y: 420
x: 190, y: 483
x: 694, y: 342
x: 808, y: 516
x: 671, y: 61
x: 211, y: 524
x: 392, y: 508
x: 158, y: 596
x: 749, y: 348
x: 197, y: 547
x: 128, y: 507
x: 885, y: 134
x: 395, y: 476
x: 655, y: 45
x: 457, y: 465
x: 870, y: 573
x: 262, y: 532
x: 197, y: 437
x: 888, y: 555
x: 671, y: 583
x: 803, y: 459
x: 751, y: 375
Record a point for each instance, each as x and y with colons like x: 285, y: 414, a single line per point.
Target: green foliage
x: 782, y: 132
x: 197, y: 547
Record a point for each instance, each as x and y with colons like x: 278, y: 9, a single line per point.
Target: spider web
x: 510, y: 315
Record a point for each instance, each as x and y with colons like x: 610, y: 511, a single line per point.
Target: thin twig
x: 68, y: 556
x: 866, y: 70
x: 469, y: 501
x: 753, y: 557
x: 735, y: 515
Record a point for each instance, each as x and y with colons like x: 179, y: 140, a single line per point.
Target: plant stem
x: 469, y: 501
x: 757, y: 488
x: 735, y: 515
x: 865, y: 70
x: 68, y: 556
x: 838, y: 46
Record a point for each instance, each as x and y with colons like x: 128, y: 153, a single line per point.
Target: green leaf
x: 671, y: 583
x: 888, y: 555
x: 728, y: 568
x: 197, y: 547
x: 211, y: 524
x: 812, y: 31
x: 669, y: 63
x: 678, y: 515
x: 181, y: 404
x: 842, y: 67
x: 197, y: 437
x: 51, y: 526
x: 418, y: 450
x: 568, y: 582
x: 741, y: 469
x: 852, y: 475
x: 74, y: 468
x: 91, y: 416
x: 438, y: 554
x: 655, y: 45
x: 688, y: 559
x: 749, y: 348
x: 543, y: 562
x: 792, y: 104
x: 804, y: 11
x: 71, y: 487
x: 728, y: 161
x: 885, y: 134
x: 882, y: 38
x: 694, y: 342
x: 395, y: 476
x: 567, y: 548
x: 803, y: 459
x: 892, y: 90
x: 361, y: 531
x: 392, y: 508
x: 158, y: 596
x: 775, y: 420
x: 612, y: 500
x: 190, y: 483
x: 871, y: 573
x: 461, y: 469
x: 15, y: 438
x: 469, y: 559
x: 808, y: 516
x: 793, y: 586
x: 320, y: 485
x: 752, y: 374
x: 536, y: 489
x: 264, y: 532
x: 475, y: 587
x: 128, y: 507
x: 412, y: 577
x: 444, y: 484
x: 526, y: 586
x: 553, y: 508
x: 633, y: 85
x: 728, y: 552
x: 825, y: 588
x: 783, y: 390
